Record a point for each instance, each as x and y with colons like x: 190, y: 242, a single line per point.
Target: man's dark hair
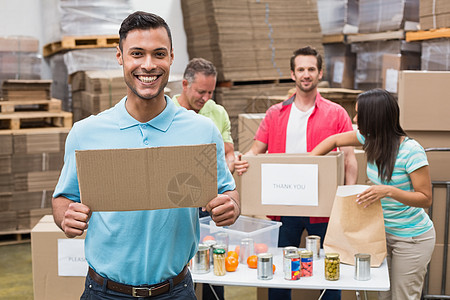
x: 307, y: 51
x: 142, y: 20
x: 198, y: 65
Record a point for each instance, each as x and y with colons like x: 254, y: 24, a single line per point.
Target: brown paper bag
x: 354, y: 229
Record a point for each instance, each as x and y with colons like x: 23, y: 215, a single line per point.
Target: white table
x: 244, y: 276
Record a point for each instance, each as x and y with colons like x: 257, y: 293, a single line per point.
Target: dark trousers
x: 290, y: 235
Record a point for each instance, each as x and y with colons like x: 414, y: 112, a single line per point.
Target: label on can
x: 306, y: 263
x: 291, y: 266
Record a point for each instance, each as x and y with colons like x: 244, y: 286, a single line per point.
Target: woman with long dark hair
x: 398, y: 168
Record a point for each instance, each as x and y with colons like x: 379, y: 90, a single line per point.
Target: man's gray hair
x: 198, y: 65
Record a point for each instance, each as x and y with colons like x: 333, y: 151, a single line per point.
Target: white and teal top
x: 400, y: 219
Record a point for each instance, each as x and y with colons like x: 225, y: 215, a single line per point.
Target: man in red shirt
x: 297, y: 125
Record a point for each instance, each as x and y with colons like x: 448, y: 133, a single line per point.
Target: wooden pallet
x: 427, y: 34
x: 230, y: 83
x: 81, y: 42
x: 53, y: 105
x: 377, y: 36
x: 28, y: 119
x: 15, y: 237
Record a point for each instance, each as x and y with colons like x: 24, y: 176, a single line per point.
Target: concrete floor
x: 16, y: 278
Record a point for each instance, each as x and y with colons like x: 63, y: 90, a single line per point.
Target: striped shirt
x: 400, y: 219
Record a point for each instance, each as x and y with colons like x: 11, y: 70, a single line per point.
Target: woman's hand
x: 373, y: 194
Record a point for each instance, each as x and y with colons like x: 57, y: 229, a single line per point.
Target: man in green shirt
x: 199, y: 83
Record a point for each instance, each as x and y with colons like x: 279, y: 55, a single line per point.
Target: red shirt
x: 327, y: 118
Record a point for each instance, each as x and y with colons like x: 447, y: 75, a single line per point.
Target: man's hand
x: 225, y: 208
x: 240, y: 166
x: 75, y: 220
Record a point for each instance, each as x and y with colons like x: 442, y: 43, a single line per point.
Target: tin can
x: 219, y: 262
x: 289, y: 249
x: 247, y: 249
x: 210, y: 244
x: 313, y: 244
x: 306, y: 263
x: 199, y: 264
x: 362, y: 266
x: 291, y: 266
x: 265, y: 266
x: 332, y: 266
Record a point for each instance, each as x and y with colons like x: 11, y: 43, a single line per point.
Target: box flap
x: 147, y: 178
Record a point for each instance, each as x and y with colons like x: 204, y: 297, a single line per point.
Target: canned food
x: 362, y: 266
x: 313, y: 244
x: 219, y: 262
x: 332, y: 266
x: 306, y: 263
x: 265, y: 266
x: 199, y: 264
x: 291, y: 266
x: 211, y: 244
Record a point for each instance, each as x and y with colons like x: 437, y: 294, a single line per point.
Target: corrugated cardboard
x: 423, y: 100
x: 248, y: 125
x: 330, y: 171
x: 47, y: 285
x: 147, y: 178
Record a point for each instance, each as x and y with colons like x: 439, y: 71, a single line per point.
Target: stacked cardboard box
x: 340, y: 65
x: 434, y: 14
x: 436, y: 54
x: 375, y: 66
x: 64, y: 65
x: 250, y: 40
x: 386, y: 15
x: 95, y: 91
x: 338, y: 16
x: 19, y: 58
x: 30, y: 162
x: 19, y: 89
x: 430, y: 125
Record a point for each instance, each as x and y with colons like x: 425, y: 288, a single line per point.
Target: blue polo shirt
x: 140, y: 247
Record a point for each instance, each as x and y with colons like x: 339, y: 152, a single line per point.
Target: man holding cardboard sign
x: 297, y: 125
x: 141, y: 253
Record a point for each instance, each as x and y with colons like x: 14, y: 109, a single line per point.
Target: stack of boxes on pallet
x: 33, y: 129
x: 19, y: 58
x: 95, y: 91
x: 81, y: 36
x: 250, y: 43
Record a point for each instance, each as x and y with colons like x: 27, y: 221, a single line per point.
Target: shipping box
x: 47, y: 284
x: 423, y: 100
x: 147, y: 178
x: 291, y: 184
x: 247, y: 127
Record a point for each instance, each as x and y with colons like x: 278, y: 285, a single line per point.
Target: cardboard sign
x: 71, y: 259
x: 330, y: 174
x: 147, y: 178
x: 289, y: 184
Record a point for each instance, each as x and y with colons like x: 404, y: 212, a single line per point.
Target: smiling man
x: 297, y: 125
x: 141, y: 253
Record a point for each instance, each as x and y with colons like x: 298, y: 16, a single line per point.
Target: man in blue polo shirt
x: 141, y: 253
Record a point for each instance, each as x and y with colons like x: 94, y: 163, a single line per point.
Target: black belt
x: 139, y: 291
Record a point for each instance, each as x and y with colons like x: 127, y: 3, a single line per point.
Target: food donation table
x: 244, y: 276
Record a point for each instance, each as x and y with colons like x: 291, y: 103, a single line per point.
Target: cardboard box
x: 247, y: 127
x: 361, y: 159
x: 147, y: 178
x: 393, y: 63
x: 258, y: 187
x: 47, y: 284
x: 423, y: 100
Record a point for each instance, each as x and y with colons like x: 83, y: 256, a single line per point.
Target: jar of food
x: 332, y: 266
x: 306, y: 263
x: 219, y: 262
